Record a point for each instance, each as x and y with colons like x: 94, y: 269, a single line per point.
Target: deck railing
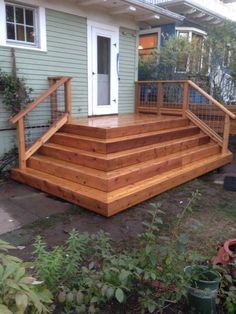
x: 189, y: 100
x: 48, y: 113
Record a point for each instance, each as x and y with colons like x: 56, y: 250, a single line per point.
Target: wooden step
x: 124, y: 158
x: 107, y: 146
x: 113, y: 202
x: 110, y: 181
x: 139, y: 127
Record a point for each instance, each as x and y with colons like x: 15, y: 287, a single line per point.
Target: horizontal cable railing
x: 43, y: 117
x: 189, y: 100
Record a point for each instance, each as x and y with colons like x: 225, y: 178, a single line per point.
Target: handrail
x: 213, y: 100
x: 41, y: 98
x: 157, y: 101
x: 24, y: 153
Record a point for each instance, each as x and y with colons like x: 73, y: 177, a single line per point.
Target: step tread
x: 123, y: 138
x: 125, y: 170
x: 127, y: 152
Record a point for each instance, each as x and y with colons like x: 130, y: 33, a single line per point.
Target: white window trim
x: 190, y: 31
x: 40, y: 28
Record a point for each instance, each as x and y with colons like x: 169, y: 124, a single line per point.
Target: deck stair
x: 107, y: 169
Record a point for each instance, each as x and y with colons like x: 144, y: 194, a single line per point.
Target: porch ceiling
x: 143, y: 13
x: 197, y: 13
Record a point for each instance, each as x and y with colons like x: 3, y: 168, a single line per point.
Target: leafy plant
x: 15, y: 93
x: 227, y: 293
x: 19, y: 292
x: 86, y: 272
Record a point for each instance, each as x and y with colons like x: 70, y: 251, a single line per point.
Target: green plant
x: 19, y: 292
x: 86, y: 272
x: 15, y: 93
x: 227, y: 293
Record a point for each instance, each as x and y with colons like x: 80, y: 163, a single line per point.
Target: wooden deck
x: 107, y: 164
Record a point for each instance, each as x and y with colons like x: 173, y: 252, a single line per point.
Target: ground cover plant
x: 20, y: 292
x: 87, y: 272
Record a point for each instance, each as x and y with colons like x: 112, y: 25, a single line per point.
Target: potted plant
x: 204, y: 285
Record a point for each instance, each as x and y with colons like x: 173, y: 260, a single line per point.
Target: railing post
x: 53, y: 100
x: 137, y: 97
x: 226, y: 134
x: 160, y: 93
x: 21, y: 143
x: 67, y: 88
x: 185, y: 98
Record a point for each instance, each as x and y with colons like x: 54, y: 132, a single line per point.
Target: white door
x: 103, y: 54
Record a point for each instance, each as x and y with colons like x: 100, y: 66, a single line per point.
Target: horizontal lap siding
x: 128, y: 64
x: 66, y: 56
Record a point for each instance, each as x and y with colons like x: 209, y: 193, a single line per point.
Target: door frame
x: 90, y: 55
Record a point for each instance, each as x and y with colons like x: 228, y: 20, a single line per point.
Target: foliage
x: 210, y: 62
x: 227, y: 293
x: 87, y: 272
x: 8, y: 160
x: 19, y: 292
x: 15, y: 93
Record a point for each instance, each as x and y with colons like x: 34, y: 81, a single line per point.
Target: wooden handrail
x: 24, y: 153
x: 41, y: 98
x: 213, y: 100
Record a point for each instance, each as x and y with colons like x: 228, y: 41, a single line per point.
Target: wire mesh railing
x: 189, y: 100
x: 42, y: 118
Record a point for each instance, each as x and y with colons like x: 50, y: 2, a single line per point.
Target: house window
x: 197, y: 61
x: 21, y: 24
x: 147, y: 44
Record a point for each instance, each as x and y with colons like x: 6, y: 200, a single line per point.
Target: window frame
x: 40, y: 43
x: 190, y: 31
x: 152, y: 31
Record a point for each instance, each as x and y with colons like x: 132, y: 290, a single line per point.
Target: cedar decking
x: 107, y: 164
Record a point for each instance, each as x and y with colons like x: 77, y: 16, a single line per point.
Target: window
x: 147, y: 43
x: 21, y: 24
x: 197, y: 61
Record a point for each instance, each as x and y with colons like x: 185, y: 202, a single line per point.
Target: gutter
x: 155, y: 9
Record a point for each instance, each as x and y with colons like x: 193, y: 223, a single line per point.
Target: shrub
x: 87, y: 272
x: 19, y: 292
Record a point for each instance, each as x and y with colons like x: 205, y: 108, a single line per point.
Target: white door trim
x: 114, y: 31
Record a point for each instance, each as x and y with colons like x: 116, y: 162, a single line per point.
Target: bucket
x: 203, y: 292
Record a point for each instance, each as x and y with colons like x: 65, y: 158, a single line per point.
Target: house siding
x: 128, y: 69
x: 66, y: 55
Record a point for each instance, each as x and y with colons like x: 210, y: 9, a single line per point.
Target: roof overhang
x: 195, y: 12
x: 143, y: 13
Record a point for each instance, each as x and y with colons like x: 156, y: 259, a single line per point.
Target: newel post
x: 21, y: 143
x: 185, y: 98
x: 68, y: 98
x: 137, y: 96
x: 226, y: 134
x: 160, y: 94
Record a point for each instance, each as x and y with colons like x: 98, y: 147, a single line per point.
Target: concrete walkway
x: 21, y: 205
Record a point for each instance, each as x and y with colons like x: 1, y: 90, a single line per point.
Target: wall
x: 128, y: 69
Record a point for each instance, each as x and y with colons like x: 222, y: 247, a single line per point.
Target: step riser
x: 119, y: 162
x: 121, y: 144
x: 120, y: 202
x: 125, y: 130
x: 69, y: 174
x: 61, y: 192
x: 171, y: 182
x: 111, y: 184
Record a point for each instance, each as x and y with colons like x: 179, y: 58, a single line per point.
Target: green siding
x: 128, y: 55
x: 66, y: 55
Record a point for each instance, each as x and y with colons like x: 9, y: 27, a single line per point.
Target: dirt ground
x: 212, y: 222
